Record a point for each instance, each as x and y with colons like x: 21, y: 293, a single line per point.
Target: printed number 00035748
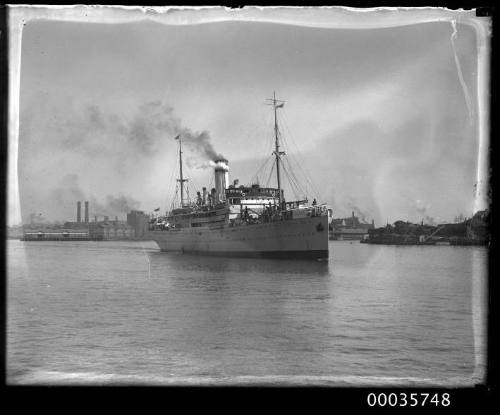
x: 408, y: 399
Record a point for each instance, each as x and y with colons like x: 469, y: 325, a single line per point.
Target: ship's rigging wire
x: 268, y: 148
x: 298, y: 190
x: 292, y: 180
x: 270, y: 175
x: 289, y: 164
x: 301, y: 162
x: 192, y: 185
x: 302, y: 168
x: 172, y: 204
x: 293, y: 158
x: 258, y: 130
x: 171, y: 184
x: 261, y: 169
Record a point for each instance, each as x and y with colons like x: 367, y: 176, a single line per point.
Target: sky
x: 382, y: 122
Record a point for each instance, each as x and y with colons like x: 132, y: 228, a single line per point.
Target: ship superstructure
x: 238, y: 220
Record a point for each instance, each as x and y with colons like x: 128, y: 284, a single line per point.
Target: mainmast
x: 277, y: 104
x: 181, y: 179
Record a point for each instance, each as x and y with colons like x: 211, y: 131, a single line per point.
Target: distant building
x: 138, y: 220
x: 350, y: 228
x: 76, y: 225
x: 114, y: 230
x: 63, y: 235
x: 98, y: 230
x: 474, y: 231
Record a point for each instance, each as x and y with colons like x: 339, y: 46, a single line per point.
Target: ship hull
x: 297, y: 238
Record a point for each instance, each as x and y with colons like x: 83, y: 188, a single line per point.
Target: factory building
x: 138, y: 220
x: 102, y: 228
x: 104, y: 231
x: 79, y: 224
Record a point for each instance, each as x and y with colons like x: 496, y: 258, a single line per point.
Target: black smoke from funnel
x: 200, y: 142
x: 114, y: 205
x: 121, y: 203
x: 69, y: 192
x: 144, y: 133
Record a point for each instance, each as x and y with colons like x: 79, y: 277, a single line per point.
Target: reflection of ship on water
x: 234, y: 220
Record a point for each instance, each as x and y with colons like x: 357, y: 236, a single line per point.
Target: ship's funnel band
x: 220, y: 164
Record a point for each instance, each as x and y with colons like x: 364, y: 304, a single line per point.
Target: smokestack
x: 204, y: 195
x: 79, y: 212
x: 116, y: 218
x: 198, y: 198
x: 86, y: 212
x: 221, y: 178
x: 235, y: 182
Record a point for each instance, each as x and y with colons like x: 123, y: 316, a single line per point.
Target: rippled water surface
x: 122, y: 312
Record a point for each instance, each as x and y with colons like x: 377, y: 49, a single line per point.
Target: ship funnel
x: 221, y: 178
x: 204, y: 195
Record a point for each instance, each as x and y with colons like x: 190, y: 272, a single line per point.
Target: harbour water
x: 125, y: 313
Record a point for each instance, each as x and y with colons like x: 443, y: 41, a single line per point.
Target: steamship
x: 243, y: 221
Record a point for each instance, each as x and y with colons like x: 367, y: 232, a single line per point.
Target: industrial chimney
x: 221, y: 179
x: 86, y: 212
x: 79, y: 212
